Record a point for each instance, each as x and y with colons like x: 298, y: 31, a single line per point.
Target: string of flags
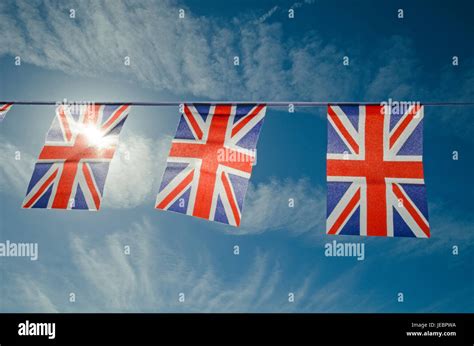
x: 375, y: 179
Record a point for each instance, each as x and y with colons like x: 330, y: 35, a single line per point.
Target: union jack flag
x: 210, y: 161
x: 375, y: 182
x: 72, y: 167
x: 4, y: 108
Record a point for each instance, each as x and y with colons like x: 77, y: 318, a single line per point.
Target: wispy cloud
x: 14, y: 169
x: 396, y: 72
x: 267, y: 15
x: 150, y: 278
x: 161, y: 47
x: 333, y: 296
x: 272, y: 66
x: 28, y: 292
x: 295, y: 206
x: 136, y: 171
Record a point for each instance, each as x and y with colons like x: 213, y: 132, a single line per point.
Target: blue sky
x: 281, y: 248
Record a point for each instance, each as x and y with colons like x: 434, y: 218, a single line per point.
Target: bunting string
x: 267, y: 103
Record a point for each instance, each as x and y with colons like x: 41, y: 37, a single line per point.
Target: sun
x: 96, y: 137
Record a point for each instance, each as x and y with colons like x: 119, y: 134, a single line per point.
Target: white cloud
x: 191, y: 56
x: 166, y: 53
x: 267, y: 15
x: 156, y: 272
x: 136, y: 171
x: 34, y: 296
x: 333, y: 295
x: 159, y: 268
x: 151, y: 278
x: 14, y: 174
x: 267, y: 208
x: 396, y: 74
x: 299, y: 4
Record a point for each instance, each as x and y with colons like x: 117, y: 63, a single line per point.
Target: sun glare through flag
x: 72, y: 166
